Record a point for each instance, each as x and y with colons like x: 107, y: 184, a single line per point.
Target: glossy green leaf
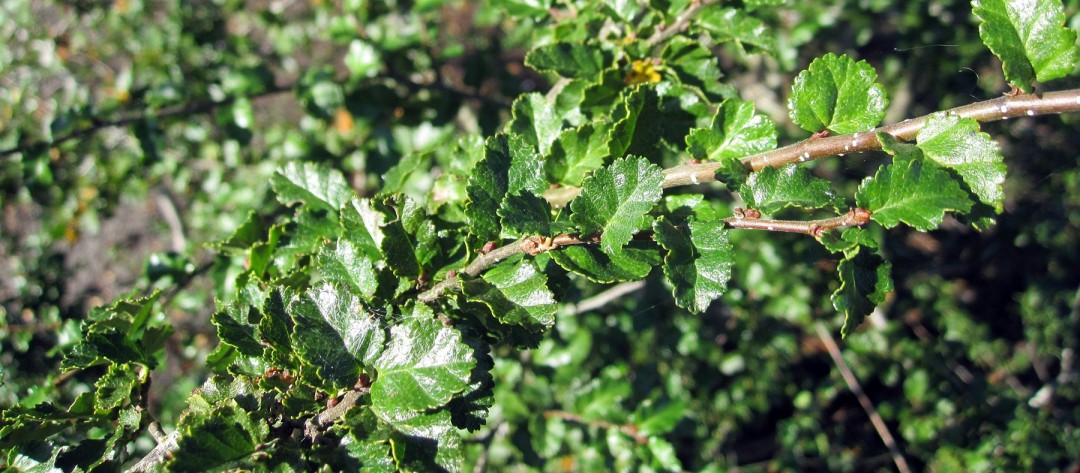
x: 698, y: 263
x: 509, y: 166
x: 615, y: 199
x: 849, y: 239
x: 692, y: 64
x: 838, y: 94
x: 226, y: 438
x: 517, y: 294
x: 311, y: 184
x: 335, y: 334
x: 536, y: 120
x: 570, y: 60
x: 427, y: 442
x: 424, y: 365
x: 632, y: 262
x: 410, y: 241
x: 525, y: 214
x: 957, y: 143
x: 577, y: 152
x: 123, y: 332
x: 363, y: 60
x: 736, y: 131
x: 361, y: 225
x: 733, y: 24
x: 772, y: 189
x: 346, y: 263
x: 1030, y: 37
x: 116, y: 387
x: 234, y: 328
x: 864, y: 283
x: 916, y: 192
x: 647, y: 119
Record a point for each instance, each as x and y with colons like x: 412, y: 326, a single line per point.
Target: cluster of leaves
x: 372, y: 331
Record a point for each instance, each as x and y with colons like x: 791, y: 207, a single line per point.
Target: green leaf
x: 517, y: 295
x: 120, y: 333
x: 427, y: 442
x: 736, y: 131
x: 536, y: 120
x: 311, y: 184
x: 647, y: 117
x: 912, y: 191
x: 115, y: 388
x: 509, y: 166
x: 423, y: 366
x: 362, y: 60
x: 410, y: 241
x: 335, y: 334
x: 577, y: 152
x: 957, y: 143
x: 864, y: 283
x: 633, y: 262
x: 698, y: 263
x: 526, y: 214
x: 348, y: 264
x: 732, y: 24
x: 851, y: 238
x: 362, y: 226
x: 692, y: 64
x: 234, y: 328
x: 570, y: 60
x: 772, y: 189
x: 615, y: 199
x: 220, y: 440
x: 1030, y: 37
x: 838, y: 94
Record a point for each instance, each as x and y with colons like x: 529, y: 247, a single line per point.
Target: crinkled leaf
x: 346, y: 263
x: 693, y: 65
x: 736, y: 131
x: 733, y: 173
x: 772, y: 189
x: 525, y: 214
x: 698, y: 262
x: 250, y: 232
x: 517, y: 294
x: 570, y: 60
x: 409, y: 239
x: 732, y: 24
x: 424, y: 365
x: 839, y: 242
x: 957, y: 144
x: 427, y: 442
x: 234, y: 328
x: 838, y: 94
x: 311, y: 184
x: 335, y: 334
x: 536, y: 120
x: 220, y: 440
x: 1030, y: 37
x: 916, y: 192
x: 361, y: 224
x: 632, y: 263
x: 864, y: 283
x: 647, y: 117
x: 509, y: 166
x: 577, y: 152
x: 615, y: 199
x: 120, y: 333
x: 115, y: 388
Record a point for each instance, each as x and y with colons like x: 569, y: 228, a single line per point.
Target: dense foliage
x: 539, y: 235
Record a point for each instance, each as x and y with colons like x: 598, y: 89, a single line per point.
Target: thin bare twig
x: 681, y: 23
x: 814, y: 228
x: 864, y: 401
x: 604, y: 298
x: 628, y: 429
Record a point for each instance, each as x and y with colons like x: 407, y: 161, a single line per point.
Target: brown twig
x: 628, y: 429
x: 864, y: 401
x: 815, y: 228
x: 1001, y: 108
x: 681, y: 23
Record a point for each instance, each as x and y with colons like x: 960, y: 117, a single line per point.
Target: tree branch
x: 1001, y: 108
x: 682, y: 22
x: 815, y: 228
x: 856, y: 388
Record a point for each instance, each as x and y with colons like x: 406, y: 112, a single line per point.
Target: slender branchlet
x: 1001, y: 108
x: 815, y: 228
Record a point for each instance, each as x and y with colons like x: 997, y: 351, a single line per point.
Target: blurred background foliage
x: 133, y: 133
